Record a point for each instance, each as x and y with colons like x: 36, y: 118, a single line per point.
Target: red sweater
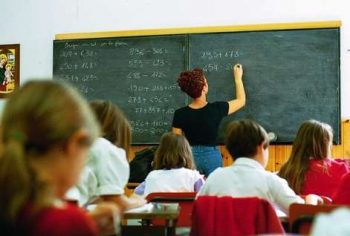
x: 216, y: 216
x: 342, y: 194
x: 66, y: 220
x: 323, y: 176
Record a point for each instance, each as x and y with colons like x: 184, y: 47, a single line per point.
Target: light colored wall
x: 34, y: 23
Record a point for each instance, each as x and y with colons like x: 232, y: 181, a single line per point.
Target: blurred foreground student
x: 174, y: 170
x: 199, y: 121
x: 310, y: 168
x: 247, y: 142
x: 107, y: 171
x: 47, y: 129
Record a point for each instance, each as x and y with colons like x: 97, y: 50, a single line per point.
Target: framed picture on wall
x: 9, y: 69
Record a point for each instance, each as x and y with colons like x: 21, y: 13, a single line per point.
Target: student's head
x: 192, y: 82
x: 246, y: 138
x: 313, y: 141
x: 174, y: 151
x: 47, y: 129
x: 114, y: 125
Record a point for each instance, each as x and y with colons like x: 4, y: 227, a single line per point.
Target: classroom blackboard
x: 290, y: 76
x: 136, y: 73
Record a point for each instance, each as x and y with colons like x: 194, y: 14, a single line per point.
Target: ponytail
x: 38, y: 117
x: 15, y: 180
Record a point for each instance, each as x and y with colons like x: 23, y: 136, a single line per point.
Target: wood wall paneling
x: 279, y: 154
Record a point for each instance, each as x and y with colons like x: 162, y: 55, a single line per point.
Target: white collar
x: 246, y: 161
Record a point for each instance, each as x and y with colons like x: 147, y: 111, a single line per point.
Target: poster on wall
x: 9, y: 69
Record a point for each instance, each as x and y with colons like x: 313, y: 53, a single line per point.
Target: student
x: 247, y: 142
x: 310, y: 169
x: 107, y: 171
x: 199, y: 121
x: 115, y: 127
x: 174, y: 170
x: 47, y: 129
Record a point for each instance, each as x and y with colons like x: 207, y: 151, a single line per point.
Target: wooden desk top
x: 168, y: 211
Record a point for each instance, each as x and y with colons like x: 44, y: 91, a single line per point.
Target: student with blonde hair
x: 310, y: 168
x: 114, y: 125
x: 46, y: 131
x: 107, y: 170
x: 174, y: 169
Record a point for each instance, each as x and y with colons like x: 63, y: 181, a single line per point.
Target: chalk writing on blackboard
x: 137, y: 74
x: 289, y: 75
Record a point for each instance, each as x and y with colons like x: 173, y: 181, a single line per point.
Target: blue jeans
x: 206, y: 158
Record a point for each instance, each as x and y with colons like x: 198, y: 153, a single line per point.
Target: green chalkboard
x: 289, y: 75
x: 136, y: 73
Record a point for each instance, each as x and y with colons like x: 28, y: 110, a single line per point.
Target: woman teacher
x: 199, y: 121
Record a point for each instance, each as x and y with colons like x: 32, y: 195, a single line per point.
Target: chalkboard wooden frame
x: 217, y: 30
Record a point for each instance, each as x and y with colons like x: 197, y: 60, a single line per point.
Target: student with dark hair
x: 199, y: 121
x: 310, y: 168
x: 174, y: 170
x: 107, y: 170
x: 46, y: 131
x: 248, y: 142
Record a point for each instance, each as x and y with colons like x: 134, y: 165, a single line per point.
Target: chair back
x: 214, y: 216
x: 185, y: 200
x: 301, y: 216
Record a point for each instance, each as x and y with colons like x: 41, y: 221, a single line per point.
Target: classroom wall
x: 34, y: 23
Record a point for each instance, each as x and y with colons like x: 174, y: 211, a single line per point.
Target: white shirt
x: 173, y: 180
x: 106, y: 172
x: 247, y: 178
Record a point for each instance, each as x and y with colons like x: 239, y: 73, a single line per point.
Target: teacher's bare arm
x: 240, y: 100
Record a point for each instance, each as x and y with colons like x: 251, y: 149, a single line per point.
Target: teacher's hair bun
x: 192, y: 82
